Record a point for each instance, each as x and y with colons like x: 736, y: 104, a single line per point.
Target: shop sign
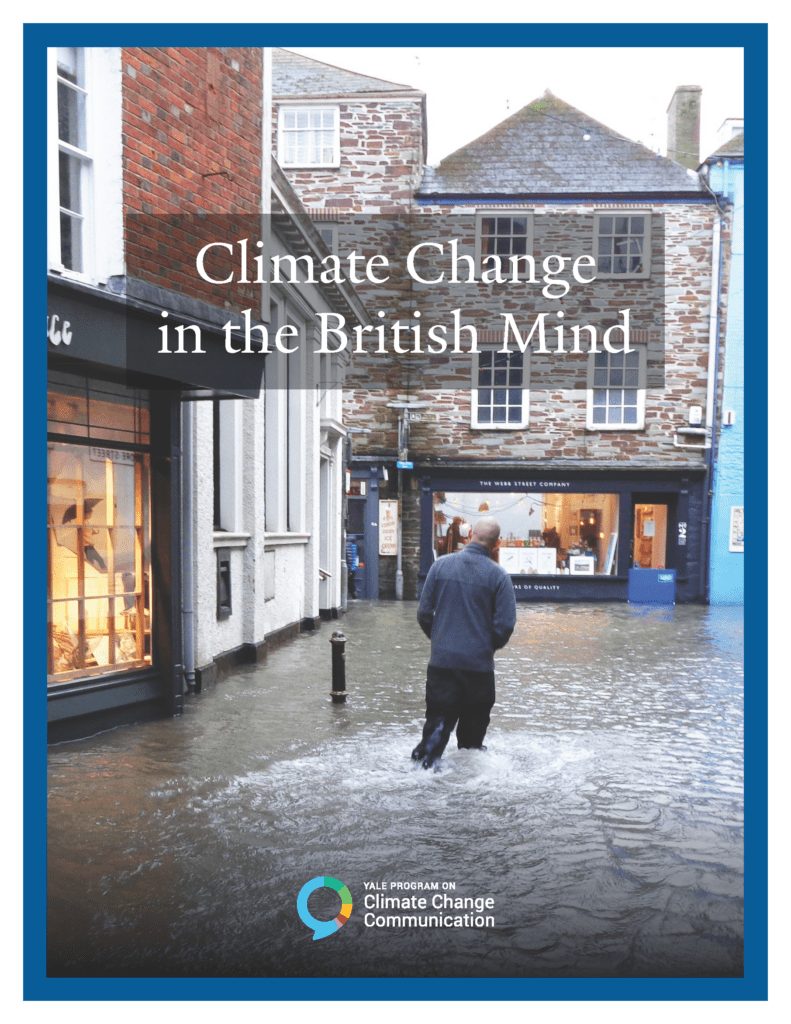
x: 388, y: 527
x: 56, y: 333
x: 528, y: 485
x: 736, y: 542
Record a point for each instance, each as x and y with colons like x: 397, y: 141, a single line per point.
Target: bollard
x: 338, y: 692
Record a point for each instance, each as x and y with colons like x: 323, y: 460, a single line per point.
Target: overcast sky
x: 628, y: 89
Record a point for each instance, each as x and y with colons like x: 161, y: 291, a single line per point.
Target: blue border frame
x: 753, y: 38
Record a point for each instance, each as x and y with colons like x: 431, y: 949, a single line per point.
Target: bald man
x: 468, y: 611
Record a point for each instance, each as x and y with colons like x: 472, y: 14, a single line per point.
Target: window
x: 503, y: 236
x: 499, y: 395
x: 616, y: 390
x: 329, y: 235
x: 227, y: 464
x: 545, y: 533
x: 622, y: 244
x: 99, y: 529
x: 85, y: 162
x: 309, y: 137
x: 74, y: 159
x: 285, y: 433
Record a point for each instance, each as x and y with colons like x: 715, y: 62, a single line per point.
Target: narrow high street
x: 604, y: 822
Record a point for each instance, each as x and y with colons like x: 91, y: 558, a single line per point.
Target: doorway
x: 649, y: 541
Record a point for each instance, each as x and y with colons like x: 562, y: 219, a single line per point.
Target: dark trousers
x: 455, y: 698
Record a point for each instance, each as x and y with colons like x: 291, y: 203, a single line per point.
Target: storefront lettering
x: 55, y: 336
x: 113, y: 455
x: 526, y: 484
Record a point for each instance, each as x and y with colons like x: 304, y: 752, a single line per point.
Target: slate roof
x: 540, y: 150
x: 295, y: 75
x: 733, y: 148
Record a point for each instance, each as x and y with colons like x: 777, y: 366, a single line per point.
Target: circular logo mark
x: 321, y: 929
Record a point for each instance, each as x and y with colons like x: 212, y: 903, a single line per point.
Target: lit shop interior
x: 98, y: 535
x: 550, y: 534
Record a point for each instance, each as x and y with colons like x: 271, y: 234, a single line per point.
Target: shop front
x: 571, y: 535
x: 113, y: 564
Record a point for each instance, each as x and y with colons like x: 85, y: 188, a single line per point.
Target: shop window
x: 616, y: 390
x: 98, y: 561
x: 622, y: 245
x: 500, y: 240
x: 98, y: 529
x: 544, y: 534
x: 309, y: 137
x: 499, y: 395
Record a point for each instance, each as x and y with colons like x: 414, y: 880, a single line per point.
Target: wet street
x: 604, y: 823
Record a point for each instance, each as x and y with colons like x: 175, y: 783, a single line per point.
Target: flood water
x: 604, y: 821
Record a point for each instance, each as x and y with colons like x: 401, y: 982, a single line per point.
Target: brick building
x: 600, y: 457
x: 194, y: 500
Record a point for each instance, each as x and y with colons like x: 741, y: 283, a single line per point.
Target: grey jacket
x: 468, y: 610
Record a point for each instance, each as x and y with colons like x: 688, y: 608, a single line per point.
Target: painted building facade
x: 725, y: 173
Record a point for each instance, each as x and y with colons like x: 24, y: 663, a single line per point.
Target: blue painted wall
x: 726, y: 568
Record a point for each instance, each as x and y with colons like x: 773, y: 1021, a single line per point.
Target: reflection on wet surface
x: 605, y: 819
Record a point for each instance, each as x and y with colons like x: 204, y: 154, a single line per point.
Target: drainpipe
x: 187, y: 545
x: 711, y: 398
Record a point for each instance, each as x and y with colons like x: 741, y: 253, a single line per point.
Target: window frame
x: 86, y: 160
x: 642, y: 275
x: 640, y: 388
x: 475, y: 423
x: 282, y: 133
x: 511, y: 212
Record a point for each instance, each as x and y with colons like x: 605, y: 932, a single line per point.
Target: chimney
x: 683, y: 126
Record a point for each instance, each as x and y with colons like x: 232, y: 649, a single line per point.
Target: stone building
x: 195, y: 500
x: 599, y: 456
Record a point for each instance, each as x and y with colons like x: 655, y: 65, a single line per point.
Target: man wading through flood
x: 468, y: 611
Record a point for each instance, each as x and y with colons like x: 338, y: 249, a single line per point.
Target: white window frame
x: 84, y: 156
x: 595, y: 385
x: 102, y: 167
x: 598, y: 215
x: 475, y: 422
x: 283, y: 131
x: 505, y: 266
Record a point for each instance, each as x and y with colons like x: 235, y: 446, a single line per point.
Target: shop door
x: 356, y: 535
x: 651, y: 546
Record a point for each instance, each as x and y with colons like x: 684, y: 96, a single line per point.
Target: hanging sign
x: 388, y: 527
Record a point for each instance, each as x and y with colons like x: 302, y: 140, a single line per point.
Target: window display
x: 543, y: 534
x: 98, y: 545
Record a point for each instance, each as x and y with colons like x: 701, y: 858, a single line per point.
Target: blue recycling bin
x: 652, y: 586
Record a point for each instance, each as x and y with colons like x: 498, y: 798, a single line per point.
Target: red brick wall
x: 192, y: 142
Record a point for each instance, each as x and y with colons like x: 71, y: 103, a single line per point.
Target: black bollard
x: 338, y: 692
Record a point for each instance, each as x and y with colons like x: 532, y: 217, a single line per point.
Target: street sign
x: 405, y: 465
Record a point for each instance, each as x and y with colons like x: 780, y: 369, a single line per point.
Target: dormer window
x: 309, y: 137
